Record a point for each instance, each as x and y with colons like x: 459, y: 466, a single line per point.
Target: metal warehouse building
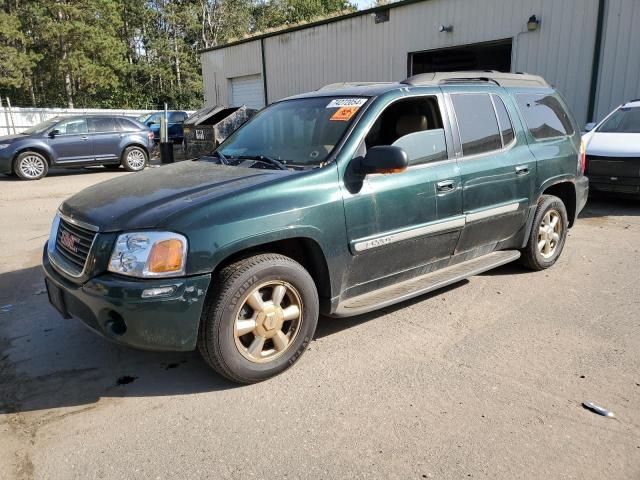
x: 588, y: 49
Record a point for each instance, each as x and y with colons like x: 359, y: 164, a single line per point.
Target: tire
x: 134, y: 159
x: 30, y: 166
x: 231, y: 328
x: 546, y: 239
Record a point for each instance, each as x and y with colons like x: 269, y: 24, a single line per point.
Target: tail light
x: 582, y: 159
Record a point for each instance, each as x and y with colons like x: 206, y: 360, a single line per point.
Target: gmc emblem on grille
x: 69, y: 241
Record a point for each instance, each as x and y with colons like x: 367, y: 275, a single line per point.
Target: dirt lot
x: 482, y: 380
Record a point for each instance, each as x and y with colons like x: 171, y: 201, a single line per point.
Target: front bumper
x: 625, y: 185
x: 6, y: 157
x: 113, y: 307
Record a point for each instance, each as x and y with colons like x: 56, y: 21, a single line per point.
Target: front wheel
x: 30, y: 166
x: 259, y: 317
x: 134, y: 159
x: 548, y: 234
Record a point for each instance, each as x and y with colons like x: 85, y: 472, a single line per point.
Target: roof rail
x: 517, y: 79
x: 334, y: 86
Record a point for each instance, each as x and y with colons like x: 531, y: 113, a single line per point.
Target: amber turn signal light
x: 166, y: 256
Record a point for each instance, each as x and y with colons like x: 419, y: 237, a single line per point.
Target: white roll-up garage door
x: 247, y: 90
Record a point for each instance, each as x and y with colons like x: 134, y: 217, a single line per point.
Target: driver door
x: 72, y: 143
x: 398, y: 224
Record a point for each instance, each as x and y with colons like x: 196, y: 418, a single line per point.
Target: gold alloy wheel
x: 549, y: 233
x: 268, y: 321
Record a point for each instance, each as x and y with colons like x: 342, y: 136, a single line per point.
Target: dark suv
x: 175, y: 125
x: 340, y: 201
x: 77, y: 141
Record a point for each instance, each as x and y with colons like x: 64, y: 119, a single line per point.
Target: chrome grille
x: 73, y: 244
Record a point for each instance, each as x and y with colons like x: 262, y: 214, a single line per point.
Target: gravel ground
x: 484, y: 379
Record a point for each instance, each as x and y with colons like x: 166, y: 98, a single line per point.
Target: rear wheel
x: 134, y: 159
x: 259, y: 318
x: 548, y: 234
x: 30, y: 166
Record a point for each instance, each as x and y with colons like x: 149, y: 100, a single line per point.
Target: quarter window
x: 544, y: 115
x: 477, y: 123
x: 506, y: 129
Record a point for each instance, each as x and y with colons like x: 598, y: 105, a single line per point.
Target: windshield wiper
x: 264, y: 159
x: 223, y: 159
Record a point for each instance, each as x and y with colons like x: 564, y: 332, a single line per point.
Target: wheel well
x: 31, y: 149
x: 303, y: 250
x: 565, y: 191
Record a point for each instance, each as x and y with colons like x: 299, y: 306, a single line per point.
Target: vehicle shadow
x: 47, y: 362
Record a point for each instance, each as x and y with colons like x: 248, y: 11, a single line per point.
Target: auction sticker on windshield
x: 343, y: 114
x: 347, y: 102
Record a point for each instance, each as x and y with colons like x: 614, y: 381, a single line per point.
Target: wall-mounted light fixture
x: 533, y: 23
x: 445, y: 28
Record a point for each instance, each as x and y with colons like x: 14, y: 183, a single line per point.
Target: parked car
x: 613, y: 151
x: 339, y: 201
x: 77, y: 141
x: 174, y: 128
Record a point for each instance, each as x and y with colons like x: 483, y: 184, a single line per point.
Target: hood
x: 613, y: 144
x: 143, y: 200
x: 11, y: 138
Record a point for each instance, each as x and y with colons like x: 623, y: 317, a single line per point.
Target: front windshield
x: 300, y: 132
x: 624, y: 120
x: 41, y: 127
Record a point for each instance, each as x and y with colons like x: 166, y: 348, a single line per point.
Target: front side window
x: 300, y: 132
x: 544, y: 115
x: 624, y: 120
x: 415, y: 125
x: 102, y: 125
x: 70, y: 127
x: 477, y: 123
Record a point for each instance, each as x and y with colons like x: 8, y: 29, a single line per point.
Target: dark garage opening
x: 479, y: 56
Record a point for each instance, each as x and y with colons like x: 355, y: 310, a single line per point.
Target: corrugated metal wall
x: 619, y: 79
x: 358, y: 49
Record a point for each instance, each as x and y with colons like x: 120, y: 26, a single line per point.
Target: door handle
x: 522, y: 170
x: 445, y: 186
x: 85, y: 137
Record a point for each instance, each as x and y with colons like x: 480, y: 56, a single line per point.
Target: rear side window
x: 544, y: 115
x: 477, y: 123
x: 101, y: 125
x: 506, y: 129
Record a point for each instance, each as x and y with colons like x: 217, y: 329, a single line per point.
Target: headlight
x: 4, y: 145
x: 149, y: 254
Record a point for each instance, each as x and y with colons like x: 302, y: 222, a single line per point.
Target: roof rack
x: 333, y: 86
x: 517, y: 79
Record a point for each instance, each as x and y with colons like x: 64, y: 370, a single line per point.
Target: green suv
x: 335, y: 202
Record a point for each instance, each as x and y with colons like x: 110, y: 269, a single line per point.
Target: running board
x: 414, y: 287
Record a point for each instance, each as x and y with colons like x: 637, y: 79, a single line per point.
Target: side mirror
x: 384, y: 159
x: 590, y: 126
x: 54, y: 132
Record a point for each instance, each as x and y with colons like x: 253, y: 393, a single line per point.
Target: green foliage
x: 127, y: 53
